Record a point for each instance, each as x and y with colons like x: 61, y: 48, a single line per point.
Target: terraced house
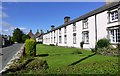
x: 97, y: 24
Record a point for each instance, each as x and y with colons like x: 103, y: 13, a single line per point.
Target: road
x: 7, y: 53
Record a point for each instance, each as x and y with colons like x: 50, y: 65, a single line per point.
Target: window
x: 65, y: 30
x: 54, y: 33
x: 113, y: 16
x: 51, y: 39
x: 114, y: 35
x: 60, y: 39
x: 116, y: 14
x: 85, y: 24
x: 74, y: 38
x: 54, y: 39
x: 60, y: 31
x: 74, y: 27
x: 85, y: 36
x: 65, y: 39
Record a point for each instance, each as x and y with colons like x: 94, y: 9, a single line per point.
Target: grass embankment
x: 58, y: 59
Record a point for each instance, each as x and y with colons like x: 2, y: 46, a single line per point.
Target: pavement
x: 7, y: 53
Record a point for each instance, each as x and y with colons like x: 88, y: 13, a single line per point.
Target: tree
x: 17, y: 35
x: 24, y: 37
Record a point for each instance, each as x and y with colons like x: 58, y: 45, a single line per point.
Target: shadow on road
x: 82, y: 59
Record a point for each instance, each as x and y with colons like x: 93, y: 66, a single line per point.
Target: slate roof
x: 94, y: 12
x: 31, y: 35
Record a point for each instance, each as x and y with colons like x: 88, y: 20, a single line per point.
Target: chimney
x: 66, y: 19
x: 30, y: 30
x: 52, y: 27
x: 41, y: 31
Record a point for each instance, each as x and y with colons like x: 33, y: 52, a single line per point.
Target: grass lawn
x: 59, y: 58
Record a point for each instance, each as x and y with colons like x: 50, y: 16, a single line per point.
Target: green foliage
x: 24, y: 37
x: 81, y: 44
x: 52, y: 45
x: 17, y: 35
x: 60, y: 57
x: 118, y: 46
x: 103, y: 43
x: 30, y: 47
x: 37, y: 64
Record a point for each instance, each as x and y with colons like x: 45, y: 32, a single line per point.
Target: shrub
x: 24, y: 37
x: 118, y: 46
x: 102, y: 43
x: 81, y: 44
x: 30, y: 47
x: 37, y: 64
x: 52, y: 45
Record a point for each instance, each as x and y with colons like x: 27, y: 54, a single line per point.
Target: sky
x: 41, y: 15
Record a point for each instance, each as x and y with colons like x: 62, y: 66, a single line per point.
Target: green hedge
x: 30, y: 47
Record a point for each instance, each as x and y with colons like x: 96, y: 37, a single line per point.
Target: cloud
x: 7, y: 26
x: 25, y: 30
x: 2, y: 13
x: 8, y: 29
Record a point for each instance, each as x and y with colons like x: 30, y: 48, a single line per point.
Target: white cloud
x: 25, y: 30
x: 22, y: 28
x: 8, y: 29
x: 3, y: 15
x: 7, y: 26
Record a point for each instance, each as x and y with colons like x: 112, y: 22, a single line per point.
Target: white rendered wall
x: 101, y: 25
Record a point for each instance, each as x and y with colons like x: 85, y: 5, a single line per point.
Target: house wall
x: 97, y: 27
x: 101, y: 25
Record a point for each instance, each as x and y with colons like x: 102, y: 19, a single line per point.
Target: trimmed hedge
x: 30, y: 47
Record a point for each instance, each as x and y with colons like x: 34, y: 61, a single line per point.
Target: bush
x: 102, y: 43
x: 37, y: 64
x: 30, y: 47
x: 118, y: 46
x: 52, y: 45
x: 24, y: 37
x: 81, y: 44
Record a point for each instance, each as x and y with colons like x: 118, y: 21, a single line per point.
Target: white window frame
x: 65, y: 39
x: 60, y: 39
x: 114, y: 35
x: 85, y: 36
x: 113, y: 16
x: 60, y: 32
x: 85, y: 23
x: 74, y: 38
x: 65, y: 29
x: 74, y: 27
